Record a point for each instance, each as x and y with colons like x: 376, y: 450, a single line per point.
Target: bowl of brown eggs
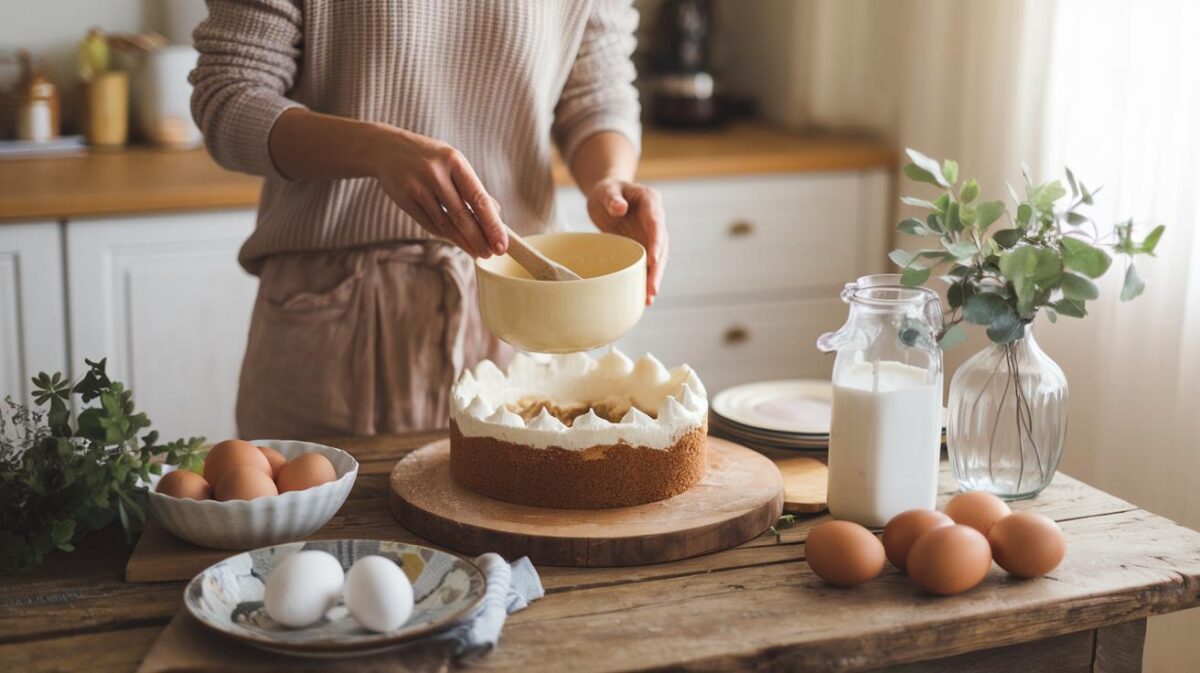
x: 254, y: 493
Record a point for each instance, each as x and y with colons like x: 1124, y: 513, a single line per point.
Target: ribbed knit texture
x: 497, y: 79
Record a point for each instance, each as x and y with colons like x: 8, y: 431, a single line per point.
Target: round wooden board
x: 739, y: 497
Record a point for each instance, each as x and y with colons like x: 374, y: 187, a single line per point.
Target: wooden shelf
x: 141, y: 180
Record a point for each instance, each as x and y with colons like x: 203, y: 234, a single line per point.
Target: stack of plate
x: 786, y: 414
x: 791, y: 414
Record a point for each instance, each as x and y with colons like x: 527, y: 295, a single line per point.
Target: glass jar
x: 1008, y: 419
x: 885, y: 435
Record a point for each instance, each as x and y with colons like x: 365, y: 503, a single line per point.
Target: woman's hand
x: 633, y: 210
x: 434, y: 183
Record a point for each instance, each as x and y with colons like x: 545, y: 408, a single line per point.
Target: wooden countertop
x: 753, y: 607
x: 141, y: 180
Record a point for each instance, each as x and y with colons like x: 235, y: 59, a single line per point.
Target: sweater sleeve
x: 599, y: 94
x: 249, y: 53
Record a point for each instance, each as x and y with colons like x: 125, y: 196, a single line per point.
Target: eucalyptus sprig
x: 64, y: 475
x: 1044, y: 258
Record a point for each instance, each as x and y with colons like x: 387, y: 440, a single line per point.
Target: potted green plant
x: 1008, y: 403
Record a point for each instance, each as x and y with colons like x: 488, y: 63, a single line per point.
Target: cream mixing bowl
x: 566, y: 316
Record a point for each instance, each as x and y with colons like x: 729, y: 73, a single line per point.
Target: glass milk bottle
x: 885, y: 437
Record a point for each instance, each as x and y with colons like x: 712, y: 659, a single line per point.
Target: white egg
x: 302, y: 587
x: 378, y: 594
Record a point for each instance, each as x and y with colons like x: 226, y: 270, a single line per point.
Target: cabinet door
x: 32, y: 317
x: 163, y: 298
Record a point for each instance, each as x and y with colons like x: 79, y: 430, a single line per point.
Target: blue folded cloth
x: 511, y: 587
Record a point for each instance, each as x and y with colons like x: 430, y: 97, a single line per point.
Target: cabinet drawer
x: 731, y: 344
x: 765, y: 232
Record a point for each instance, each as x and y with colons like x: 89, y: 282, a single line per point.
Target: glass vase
x: 1007, y: 419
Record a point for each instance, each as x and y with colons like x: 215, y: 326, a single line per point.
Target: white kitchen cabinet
x: 163, y: 298
x: 32, y: 318
x: 756, y: 266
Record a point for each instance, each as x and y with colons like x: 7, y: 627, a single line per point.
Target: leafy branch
x: 1001, y: 267
x: 63, y: 476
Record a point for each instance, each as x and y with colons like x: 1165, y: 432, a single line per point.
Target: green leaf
x: 969, y: 191
x: 1007, y: 238
x: 919, y: 203
x: 1077, y: 287
x: 953, y: 221
x: 961, y: 250
x: 933, y: 222
x: 942, y: 203
x: 1071, y: 181
x: 929, y: 165
x: 989, y: 212
x: 913, y: 226
x: 958, y: 293
x: 1085, y: 195
x: 1005, y: 329
x: 914, y: 276
x: 1151, y: 241
x: 1024, y: 214
x: 1084, y: 257
x: 1075, y: 218
x: 950, y: 170
x: 1051, y: 314
x: 1045, y: 195
x: 983, y: 308
x: 953, y: 336
x: 901, y: 257
x: 1133, y: 286
x: 1072, y: 308
x: 915, y: 172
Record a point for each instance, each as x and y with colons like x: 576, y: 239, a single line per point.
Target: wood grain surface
x: 141, y: 180
x: 805, y: 481
x: 755, y: 606
x: 739, y: 497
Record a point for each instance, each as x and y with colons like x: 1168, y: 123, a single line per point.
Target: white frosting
x: 481, y: 401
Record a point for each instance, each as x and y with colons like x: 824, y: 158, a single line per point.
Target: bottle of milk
x: 885, y: 437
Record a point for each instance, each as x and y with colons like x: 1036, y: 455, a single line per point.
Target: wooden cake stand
x: 739, y: 497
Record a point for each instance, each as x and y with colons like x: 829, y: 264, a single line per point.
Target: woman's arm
x: 604, y: 166
x: 249, y: 50
x: 597, y: 129
x: 428, y: 179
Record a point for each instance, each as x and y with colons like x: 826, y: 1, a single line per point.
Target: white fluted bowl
x: 247, y: 524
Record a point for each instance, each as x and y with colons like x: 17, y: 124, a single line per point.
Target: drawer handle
x: 741, y: 228
x: 736, y: 335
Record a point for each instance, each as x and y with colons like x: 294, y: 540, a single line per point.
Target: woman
x: 395, y: 138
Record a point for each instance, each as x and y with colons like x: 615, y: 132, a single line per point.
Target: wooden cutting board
x: 803, y: 484
x: 739, y: 497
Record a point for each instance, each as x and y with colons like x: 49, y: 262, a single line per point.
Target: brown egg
x: 305, y: 471
x: 275, y: 458
x: 184, y: 484
x: 843, y: 553
x: 1027, y: 544
x: 977, y: 509
x: 245, y: 482
x: 231, y: 453
x: 905, y: 528
x: 949, y: 560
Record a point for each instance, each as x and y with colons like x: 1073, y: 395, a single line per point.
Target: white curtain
x: 1123, y: 110
x: 1110, y: 87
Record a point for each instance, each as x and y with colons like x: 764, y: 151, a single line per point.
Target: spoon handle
x: 537, y: 264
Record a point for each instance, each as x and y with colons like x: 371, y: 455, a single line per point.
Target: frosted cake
x: 578, y: 433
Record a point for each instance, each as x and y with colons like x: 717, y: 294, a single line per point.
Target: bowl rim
x: 328, y: 487
x: 640, y: 261
x: 367, y: 642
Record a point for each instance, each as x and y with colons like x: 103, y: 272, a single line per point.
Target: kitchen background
x: 1112, y: 88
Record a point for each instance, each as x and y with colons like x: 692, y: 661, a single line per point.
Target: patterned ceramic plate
x: 228, y: 597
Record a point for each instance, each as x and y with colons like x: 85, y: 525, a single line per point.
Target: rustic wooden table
x: 752, y: 607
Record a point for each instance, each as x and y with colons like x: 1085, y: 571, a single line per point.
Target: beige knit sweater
x: 496, y: 79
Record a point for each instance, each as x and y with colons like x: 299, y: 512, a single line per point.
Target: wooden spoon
x: 538, y: 265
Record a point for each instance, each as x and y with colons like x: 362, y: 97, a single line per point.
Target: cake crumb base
x: 598, y: 477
